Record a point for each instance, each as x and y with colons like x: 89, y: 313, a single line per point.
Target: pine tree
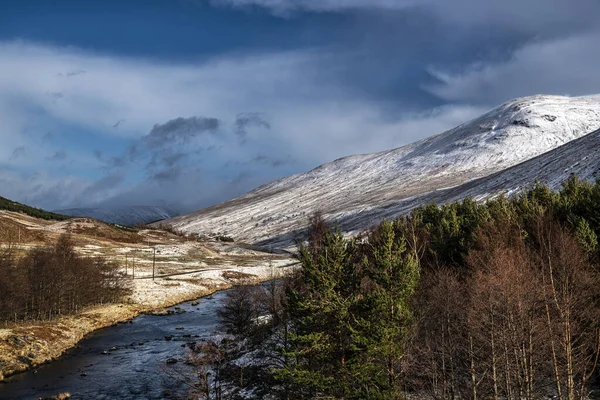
x: 386, y: 319
x: 350, y: 316
x: 319, y: 309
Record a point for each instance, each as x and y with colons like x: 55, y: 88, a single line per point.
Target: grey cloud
x: 260, y: 158
x: 48, y: 136
x: 179, y: 130
x: 172, y: 159
x: 167, y: 175
x: 117, y: 162
x: 271, y: 161
x: 563, y: 66
x: 110, y: 162
x: 164, y: 148
x: 106, y: 183
x: 56, y: 95
x: 530, y: 15
x: 59, y: 155
x: 165, y: 158
x: 247, y: 120
x: 167, y: 145
x: 18, y: 152
x: 278, y: 162
x: 73, y: 73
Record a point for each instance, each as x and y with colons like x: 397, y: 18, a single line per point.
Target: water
x: 133, y: 370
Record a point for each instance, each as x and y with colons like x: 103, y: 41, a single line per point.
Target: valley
x: 184, y: 269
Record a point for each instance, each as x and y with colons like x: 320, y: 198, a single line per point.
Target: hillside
x: 9, y: 205
x: 161, y: 268
x: 125, y: 215
x: 354, y: 190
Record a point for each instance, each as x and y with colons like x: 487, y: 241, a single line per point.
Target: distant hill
x: 6, y: 204
x: 126, y: 215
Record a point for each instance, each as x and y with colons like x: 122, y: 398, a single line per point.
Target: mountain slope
x: 356, y: 186
x: 129, y: 215
x: 9, y: 205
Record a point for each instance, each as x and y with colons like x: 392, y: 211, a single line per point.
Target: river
x: 127, y: 361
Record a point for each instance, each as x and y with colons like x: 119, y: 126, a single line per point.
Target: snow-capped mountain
x: 127, y: 215
x: 357, y: 191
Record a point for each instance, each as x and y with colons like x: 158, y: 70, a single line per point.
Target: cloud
x: 285, y: 6
x: 18, y: 152
x: 530, y: 15
x: 169, y: 174
x: 47, y: 137
x: 184, y: 122
x: 563, y: 66
x: 244, y: 121
x: 179, y: 130
x: 273, y: 162
x: 98, y: 190
x: 75, y: 73
x: 41, y: 188
x: 58, y: 156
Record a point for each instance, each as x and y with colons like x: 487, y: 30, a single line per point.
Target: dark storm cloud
x: 179, y: 130
x: 167, y: 147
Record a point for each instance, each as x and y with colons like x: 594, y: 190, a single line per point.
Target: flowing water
x: 127, y: 361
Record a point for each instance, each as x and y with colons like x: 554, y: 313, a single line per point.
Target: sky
x: 188, y: 103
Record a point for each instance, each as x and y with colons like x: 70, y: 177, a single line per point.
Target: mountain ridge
x: 508, y: 135
x: 124, y: 215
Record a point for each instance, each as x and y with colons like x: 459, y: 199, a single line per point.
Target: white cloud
x: 566, y: 66
x: 287, y: 87
x: 311, y: 119
x: 284, y: 6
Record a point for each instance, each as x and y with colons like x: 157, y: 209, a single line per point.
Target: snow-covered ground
x: 359, y: 190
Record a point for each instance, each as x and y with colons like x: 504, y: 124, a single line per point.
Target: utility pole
x: 125, y: 264
x: 133, y: 267
x: 153, y: 261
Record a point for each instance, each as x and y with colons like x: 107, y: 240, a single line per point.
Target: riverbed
x: 127, y: 361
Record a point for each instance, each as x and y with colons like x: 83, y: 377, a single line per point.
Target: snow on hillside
x: 131, y: 215
x: 354, y: 188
